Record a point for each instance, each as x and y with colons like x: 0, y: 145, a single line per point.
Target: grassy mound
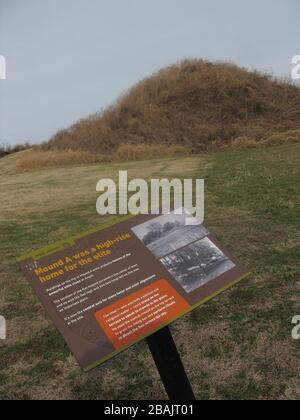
x: 195, y: 105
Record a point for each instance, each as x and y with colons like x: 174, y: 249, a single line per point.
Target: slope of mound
x: 195, y: 104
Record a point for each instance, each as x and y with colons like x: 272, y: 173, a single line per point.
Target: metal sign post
x: 169, y: 365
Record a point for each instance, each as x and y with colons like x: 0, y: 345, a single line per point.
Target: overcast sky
x: 67, y: 59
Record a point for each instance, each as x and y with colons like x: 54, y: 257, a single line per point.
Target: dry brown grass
x: 198, y: 105
x: 290, y: 136
x: 6, y: 149
x: 286, y: 137
x: 130, y: 152
x: 43, y: 159
x: 39, y: 159
x: 36, y: 159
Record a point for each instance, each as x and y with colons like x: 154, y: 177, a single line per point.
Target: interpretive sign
x: 111, y: 287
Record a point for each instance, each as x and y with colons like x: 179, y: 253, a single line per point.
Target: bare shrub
x: 6, y: 150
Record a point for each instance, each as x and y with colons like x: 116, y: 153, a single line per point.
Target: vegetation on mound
x: 188, y: 108
x: 37, y: 159
x: 6, y: 150
x: 196, y: 105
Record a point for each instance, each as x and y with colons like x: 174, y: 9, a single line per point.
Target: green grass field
x: 238, y: 346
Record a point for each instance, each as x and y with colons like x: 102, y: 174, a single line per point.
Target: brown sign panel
x: 109, y: 288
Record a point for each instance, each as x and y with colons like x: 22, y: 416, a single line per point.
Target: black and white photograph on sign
x: 165, y: 234
x: 197, y: 264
